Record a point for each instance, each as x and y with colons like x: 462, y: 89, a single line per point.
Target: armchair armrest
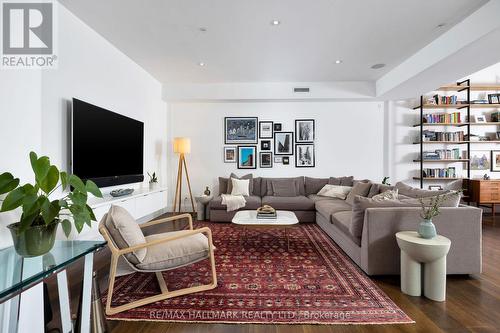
x: 182, y: 234
x: 169, y: 219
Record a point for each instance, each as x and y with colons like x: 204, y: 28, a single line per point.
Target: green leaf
x: 81, y: 216
x: 91, y: 187
x: 77, y: 183
x: 27, y: 220
x: 14, y: 199
x: 66, y: 225
x: 40, y: 166
x: 50, y: 210
x: 64, y: 180
x: 63, y: 203
x: 8, y: 182
x: 91, y: 213
x: 78, y: 198
x: 50, y: 181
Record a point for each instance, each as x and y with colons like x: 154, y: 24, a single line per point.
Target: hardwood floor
x: 472, y: 305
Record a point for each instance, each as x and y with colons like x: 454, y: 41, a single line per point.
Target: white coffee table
x: 248, y: 219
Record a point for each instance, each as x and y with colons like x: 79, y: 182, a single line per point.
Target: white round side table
x: 429, y: 253
x: 202, y: 201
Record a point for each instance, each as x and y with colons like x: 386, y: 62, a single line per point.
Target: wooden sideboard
x: 485, y: 192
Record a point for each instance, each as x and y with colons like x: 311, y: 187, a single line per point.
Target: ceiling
x: 241, y: 45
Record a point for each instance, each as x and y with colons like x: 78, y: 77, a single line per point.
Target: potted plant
x: 35, y: 232
x: 430, y: 209
x: 153, y: 180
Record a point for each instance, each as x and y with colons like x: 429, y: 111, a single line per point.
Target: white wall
x: 349, y: 138
x: 35, y: 105
x: 401, y: 117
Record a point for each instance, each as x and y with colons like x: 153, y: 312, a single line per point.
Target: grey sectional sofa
x: 374, y: 249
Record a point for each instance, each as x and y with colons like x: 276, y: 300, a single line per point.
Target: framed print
x: 277, y: 127
x: 247, y: 157
x: 283, y: 143
x: 229, y: 154
x: 304, y: 155
x: 266, y: 129
x: 265, y: 145
x: 435, y: 187
x: 278, y: 159
x: 494, y: 98
x: 479, y: 160
x: 304, y: 130
x: 479, y: 119
x: 266, y: 160
x: 495, y: 160
x: 285, y: 160
x: 240, y: 130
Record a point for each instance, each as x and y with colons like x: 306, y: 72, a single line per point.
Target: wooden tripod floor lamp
x: 182, y: 146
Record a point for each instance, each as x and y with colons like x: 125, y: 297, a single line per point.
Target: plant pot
x: 427, y: 229
x: 152, y: 186
x: 34, y: 241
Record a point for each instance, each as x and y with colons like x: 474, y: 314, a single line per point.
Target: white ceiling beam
x: 469, y: 46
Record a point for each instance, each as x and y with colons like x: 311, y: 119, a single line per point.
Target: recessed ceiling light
x: 202, y: 29
x: 338, y: 61
x: 377, y: 66
x: 201, y: 64
x: 275, y: 22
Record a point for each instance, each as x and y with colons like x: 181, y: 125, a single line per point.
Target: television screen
x: 107, y: 147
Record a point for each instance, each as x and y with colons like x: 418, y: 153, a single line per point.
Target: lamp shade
x: 182, y: 145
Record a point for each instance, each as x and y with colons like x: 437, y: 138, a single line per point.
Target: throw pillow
x: 360, y: 189
x: 416, y: 192
x: 379, y: 188
x: 125, y: 232
x: 240, y: 187
x: 284, y: 188
x: 387, y: 195
x: 335, y: 191
x: 230, y: 184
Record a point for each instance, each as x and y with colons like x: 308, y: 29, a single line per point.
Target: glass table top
x: 18, y: 274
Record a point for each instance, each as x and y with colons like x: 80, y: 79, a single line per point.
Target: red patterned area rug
x: 260, y: 281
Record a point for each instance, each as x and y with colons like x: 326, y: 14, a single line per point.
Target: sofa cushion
x: 387, y: 195
x: 240, y: 186
x: 335, y: 191
x: 223, y: 185
x: 315, y: 197
x: 125, y: 232
x: 267, y: 187
x: 175, y: 253
x: 379, y: 188
x: 331, y: 206
x: 230, y: 184
x: 417, y: 192
x: 253, y: 202
x: 256, y: 186
x: 343, y: 221
x: 361, y: 189
x: 314, y: 185
x: 289, y: 203
x: 284, y: 188
x: 344, y: 181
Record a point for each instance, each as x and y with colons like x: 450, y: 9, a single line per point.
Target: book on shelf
x: 442, y: 118
x: 444, y: 100
x: 442, y: 154
x: 449, y: 172
x: 428, y: 135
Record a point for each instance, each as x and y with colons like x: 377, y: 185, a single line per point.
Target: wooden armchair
x: 165, y: 251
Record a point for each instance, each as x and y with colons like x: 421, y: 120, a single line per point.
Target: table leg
x: 435, y: 280
x: 86, y: 294
x: 62, y: 287
x: 411, y: 281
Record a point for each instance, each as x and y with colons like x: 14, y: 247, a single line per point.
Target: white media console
x: 144, y: 204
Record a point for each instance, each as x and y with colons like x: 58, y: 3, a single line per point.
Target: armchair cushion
x: 125, y: 232
x: 175, y: 253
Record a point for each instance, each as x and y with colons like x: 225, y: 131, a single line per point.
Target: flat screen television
x: 107, y: 148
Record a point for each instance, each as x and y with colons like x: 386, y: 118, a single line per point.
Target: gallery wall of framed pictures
x: 243, y: 136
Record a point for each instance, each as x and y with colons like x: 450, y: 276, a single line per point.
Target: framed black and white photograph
x: 283, y: 143
x: 285, y: 160
x: 265, y: 145
x: 240, y: 130
x: 266, y: 129
x: 278, y: 159
x: 229, y: 154
x: 304, y: 155
x: 247, y: 157
x: 266, y: 160
x: 495, y: 160
x: 304, y: 130
x: 277, y: 127
x: 494, y: 98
